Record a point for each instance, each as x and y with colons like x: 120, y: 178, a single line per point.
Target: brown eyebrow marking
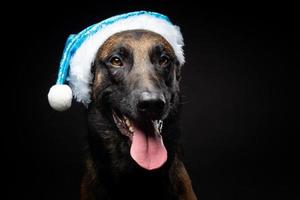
x: 140, y: 43
x: 133, y: 40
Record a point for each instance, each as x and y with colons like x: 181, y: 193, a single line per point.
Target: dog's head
x: 136, y: 87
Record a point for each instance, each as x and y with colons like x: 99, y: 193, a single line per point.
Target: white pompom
x: 60, y: 97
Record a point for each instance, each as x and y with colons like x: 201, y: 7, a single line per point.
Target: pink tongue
x: 148, y: 151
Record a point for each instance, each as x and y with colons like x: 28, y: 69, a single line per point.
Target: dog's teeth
x: 160, y: 125
x: 130, y: 129
x: 154, y: 122
x: 127, y: 122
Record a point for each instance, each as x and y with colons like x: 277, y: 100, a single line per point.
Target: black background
x: 239, y: 86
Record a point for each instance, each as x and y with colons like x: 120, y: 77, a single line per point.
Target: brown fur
x: 88, y: 180
x: 139, y: 44
x: 181, y: 181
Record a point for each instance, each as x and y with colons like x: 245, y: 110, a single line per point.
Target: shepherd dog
x: 133, y: 150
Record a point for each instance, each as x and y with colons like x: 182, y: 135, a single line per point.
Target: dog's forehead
x: 142, y: 40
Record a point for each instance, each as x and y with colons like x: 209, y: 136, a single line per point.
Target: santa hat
x: 80, y: 51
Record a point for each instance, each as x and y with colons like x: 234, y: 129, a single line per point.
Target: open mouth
x: 147, y: 148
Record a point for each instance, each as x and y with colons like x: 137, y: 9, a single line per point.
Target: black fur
x: 111, y: 172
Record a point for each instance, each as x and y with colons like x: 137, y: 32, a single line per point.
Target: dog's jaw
x: 123, y: 124
x: 146, y: 143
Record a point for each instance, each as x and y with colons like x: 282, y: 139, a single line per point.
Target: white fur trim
x: 60, y: 97
x: 80, y: 75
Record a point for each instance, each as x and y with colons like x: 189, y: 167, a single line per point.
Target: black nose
x: 151, y: 104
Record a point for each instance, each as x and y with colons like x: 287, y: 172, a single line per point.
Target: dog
x: 133, y: 122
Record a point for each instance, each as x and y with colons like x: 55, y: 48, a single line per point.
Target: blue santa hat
x: 80, y: 51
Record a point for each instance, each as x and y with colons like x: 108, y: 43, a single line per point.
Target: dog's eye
x: 116, y: 61
x: 164, y: 60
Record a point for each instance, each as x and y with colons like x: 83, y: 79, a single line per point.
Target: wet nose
x: 151, y: 104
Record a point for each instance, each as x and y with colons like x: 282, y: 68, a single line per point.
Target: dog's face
x: 136, y: 86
